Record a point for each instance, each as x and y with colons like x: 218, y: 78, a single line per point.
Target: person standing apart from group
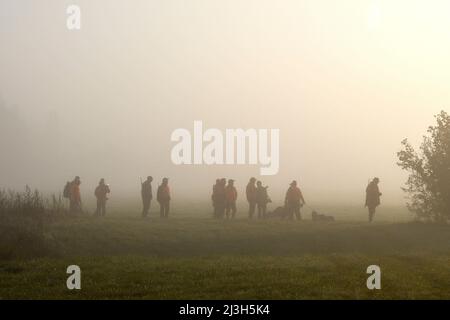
x: 373, y: 195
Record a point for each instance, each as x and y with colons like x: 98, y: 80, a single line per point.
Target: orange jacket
x: 75, y: 194
x: 230, y: 193
x: 163, y: 193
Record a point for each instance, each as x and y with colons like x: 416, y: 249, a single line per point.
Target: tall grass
x: 23, y: 217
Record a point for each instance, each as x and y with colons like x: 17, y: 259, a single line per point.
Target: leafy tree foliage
x: 428, y: 184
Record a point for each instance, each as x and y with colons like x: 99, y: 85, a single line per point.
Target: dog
x: 320, y: 217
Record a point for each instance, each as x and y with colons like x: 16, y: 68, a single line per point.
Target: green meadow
x: 189, y: 256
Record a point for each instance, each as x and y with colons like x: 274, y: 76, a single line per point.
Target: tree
x: 428, y: 184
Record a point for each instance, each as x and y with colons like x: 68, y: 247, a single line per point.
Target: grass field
x: 126, y: 257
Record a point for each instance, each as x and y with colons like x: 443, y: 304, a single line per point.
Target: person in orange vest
x: 75, y: 195
x: 101, y: 193
x: 250, y: 192
x: 231, y: 197
x: 163, y: 198
x: 294, y: 201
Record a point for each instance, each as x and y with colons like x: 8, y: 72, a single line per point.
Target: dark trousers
x: 251, y: 209
x: 146, y: 206
x: 101, y: 207
x: 371, y: 212
x: 164, y: 209
x: 219, y: 210
x: 262, y: 208
x: 216, y: 211
x: 294, y: 209
x: 231, y: 209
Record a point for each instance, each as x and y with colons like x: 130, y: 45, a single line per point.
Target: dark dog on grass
x: 321, y: 217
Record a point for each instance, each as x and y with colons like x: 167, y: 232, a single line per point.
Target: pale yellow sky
x: 344, y: 81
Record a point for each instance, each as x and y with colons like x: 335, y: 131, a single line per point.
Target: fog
x: 343, y: 81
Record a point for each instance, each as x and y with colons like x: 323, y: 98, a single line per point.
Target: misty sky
x: 344, y: 81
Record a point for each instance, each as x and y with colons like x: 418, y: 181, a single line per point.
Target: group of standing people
x: 257, y: 198
x: 224, y: 197
x: 73, y: 194
x: 162, y: 196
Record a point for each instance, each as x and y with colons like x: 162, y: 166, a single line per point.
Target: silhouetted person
x: 147, y: 195
x: 75, y: 195
x: 230, y: 198
x: 163, y: 198
x: 294, y: 201
x: 220, y: 198
x: 214, y: 198
x: 372, y: 197
x: 101, y: 193
x: 261, y: 199
x: 250, y: 192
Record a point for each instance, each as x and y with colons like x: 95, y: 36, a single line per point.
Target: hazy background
x: 344, y: 81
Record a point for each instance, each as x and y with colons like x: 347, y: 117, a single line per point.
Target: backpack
x: 66, y: 192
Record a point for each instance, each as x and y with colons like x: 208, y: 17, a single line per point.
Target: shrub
x: 23, y: 216
x: 428, y: 184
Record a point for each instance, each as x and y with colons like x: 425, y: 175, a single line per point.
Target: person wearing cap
x: 250, y: 192
x: 230, y: 199
x: 294, y: 201
x: 147, y: 195
x: 101, y: 193
x: 75, y: 195
x: 163, y: 198
x: 372, y: 197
